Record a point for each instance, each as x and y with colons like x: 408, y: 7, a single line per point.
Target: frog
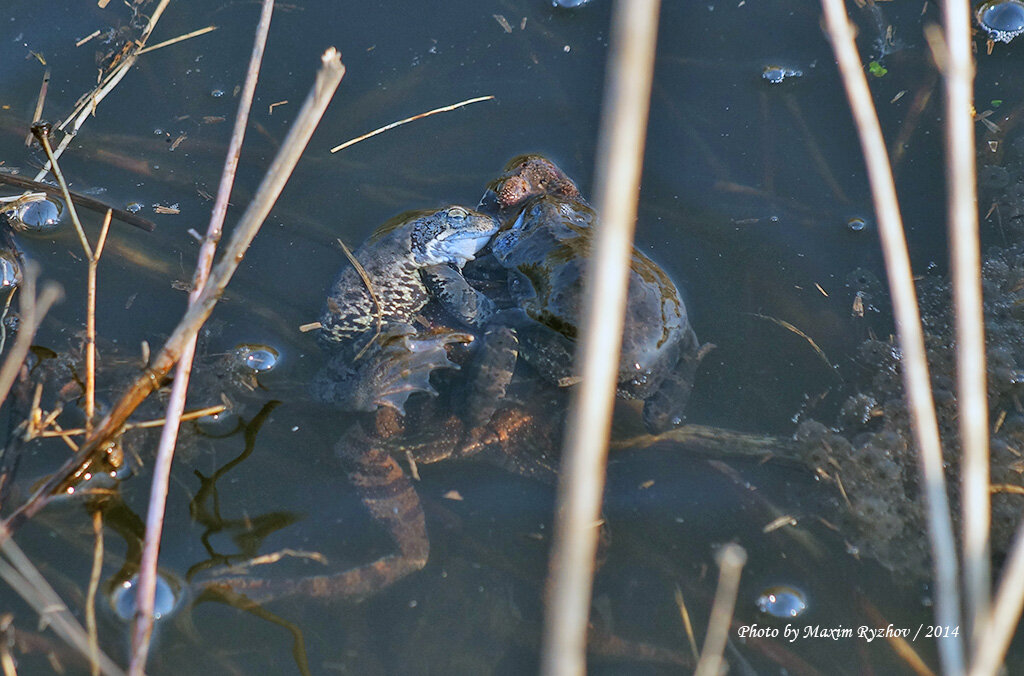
x: 381, y: 348
x: 376, y: 355
x: 541, y: 254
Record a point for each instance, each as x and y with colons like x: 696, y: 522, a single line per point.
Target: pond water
x: 754, y: 200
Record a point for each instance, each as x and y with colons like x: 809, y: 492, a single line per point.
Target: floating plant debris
x: 776, y: 74
x: 782, y: 601
x: 1003, y: 19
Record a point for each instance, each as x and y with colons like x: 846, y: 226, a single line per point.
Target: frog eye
x: 457, y: 212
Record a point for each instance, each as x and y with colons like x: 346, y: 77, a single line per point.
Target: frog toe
x: 404, y: 367
x: 665, y: 408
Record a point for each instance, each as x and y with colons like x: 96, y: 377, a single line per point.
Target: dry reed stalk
x: 908, y: 329
x: 90, y: 326
x: 143, y: 626
x: 999, y: 626
x: 582, y: 475
x: 965, y: 253
x: 731, y: 559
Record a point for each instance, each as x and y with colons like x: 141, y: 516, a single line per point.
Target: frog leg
x: 664, y: 409
x: 390, y: 498
x: 398, y: 364
x: 490, y: 373
x: 547, y: 351
x: 457, y: 295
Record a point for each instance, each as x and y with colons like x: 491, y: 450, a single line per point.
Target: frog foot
x: 387, y: 375
x: 663, y: 410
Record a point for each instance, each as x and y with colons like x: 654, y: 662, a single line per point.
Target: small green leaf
x: 877, y: 69
x: 996, y: 103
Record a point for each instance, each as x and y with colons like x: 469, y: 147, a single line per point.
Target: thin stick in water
x: 908, y: 328
x: 90, y: 598
x: 180, y: 38
x: 407, y: 120
x: 581, y: 479
x: 38, y: 114
x: 90, y: 327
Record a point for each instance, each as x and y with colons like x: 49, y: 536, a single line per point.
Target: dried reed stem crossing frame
x: 581, y: 478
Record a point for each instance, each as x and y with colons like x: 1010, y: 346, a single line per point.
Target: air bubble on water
x: 217, y: 93
x: 569, y: 4
x: 10, y: 271
x: 258, y: 358
x: 782, y: 601
x: 1003, y: 19
x: 40, y: 216
x: 133, y: 207
x: 856, y: 224
x: 122, y: 599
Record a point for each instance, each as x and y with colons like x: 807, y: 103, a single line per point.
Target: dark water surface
x: 748, y: 189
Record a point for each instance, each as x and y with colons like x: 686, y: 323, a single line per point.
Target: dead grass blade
x: 407, y: 120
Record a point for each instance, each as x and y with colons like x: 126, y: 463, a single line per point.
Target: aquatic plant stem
x: 327, y: 80
x: 965, y: 254
x: 731, y: 559
x: 582, y: 475
x: 913, y: 365
x: 176, y: 405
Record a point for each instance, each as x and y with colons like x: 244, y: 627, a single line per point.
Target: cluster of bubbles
x: 1003, y: 19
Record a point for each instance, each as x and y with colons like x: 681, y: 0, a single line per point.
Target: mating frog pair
x: 521, y: 297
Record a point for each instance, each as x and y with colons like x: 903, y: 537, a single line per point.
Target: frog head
x: 524, y: 177
x: 452, y: 235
